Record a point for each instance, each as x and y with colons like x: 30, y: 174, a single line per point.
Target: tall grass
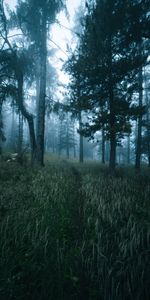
x: 118, y: 219
x: 71, y: 232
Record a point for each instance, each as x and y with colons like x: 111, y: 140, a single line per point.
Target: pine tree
x: 107, y: 63
x: 41, y: 13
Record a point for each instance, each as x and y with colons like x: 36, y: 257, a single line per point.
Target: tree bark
x: 28, y: 117
x: 74, y: 142
x: 12, y: 138
x: 1, y: 126
x: 81, y: 158
x: 42, y: 93
x: 112, y: 161
x: 37, y: 101
x: 20, y: 134
x: 147, y: 118
x: 103, y: 146
x: 67, y: 139
x: 20, y: 102
x: 128, y: 150
x: 112, y: 119
x: 139, y: 129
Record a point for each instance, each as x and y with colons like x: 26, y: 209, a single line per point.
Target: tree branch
x: 58, y: 47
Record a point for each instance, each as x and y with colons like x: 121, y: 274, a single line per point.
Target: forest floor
x: 70, y: 231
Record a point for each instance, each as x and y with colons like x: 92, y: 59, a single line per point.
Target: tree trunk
x: 37, y: 96
x: 42, y: 94
x: 112, y: 159
x: 67, y: 150
x: 107, y: 151
x: 147, y: 118
x: 81, y: 139
x: 20, y: 134
x: 139, y: 129
x: 12, y: 138
x: 112, y: 119
x: 67, y: 143
x: 1, y: 127
x: 53, y: 139
x: 103, y: 146
x: 20, y: 103
x: 148, y: 153
x: 27, y: 115
x: 128, y: 150
x: 74, y: 142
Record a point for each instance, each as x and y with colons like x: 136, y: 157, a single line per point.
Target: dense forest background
x: 75, y: 153
x: 106, y: 100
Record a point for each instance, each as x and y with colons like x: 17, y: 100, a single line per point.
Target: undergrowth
x: 74, y: 232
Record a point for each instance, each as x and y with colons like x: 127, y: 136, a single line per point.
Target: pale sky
x: 62, y: 36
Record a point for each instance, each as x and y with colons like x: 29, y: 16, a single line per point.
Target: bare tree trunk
x: 103, y: 146
x: 61, y: 136
x: 148, y: 146
x: 107, y: 151
x: 112, y: 119
x: 67, y: 139
x: 42, y: 94
x: 112, y: 159
x: 139, y: 129
x: 53, y: 139
x: 128, y: 150
x: 12, y: 138
x: 74, y: 142
x: 37, y: 102
x: 20, y: 134
x: 81, y: 139
x: 1, y: 127
x: 74, y: 151
x: 147, y: 118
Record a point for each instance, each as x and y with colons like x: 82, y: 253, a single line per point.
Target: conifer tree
x: 36, y: 17
x: 107, y: 62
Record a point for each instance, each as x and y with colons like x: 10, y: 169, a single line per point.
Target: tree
x: 28, y: 14
x: 41, y: 13
x: 76, y: 99
x: 15, y: 66
x: 66, y: 138
x: 145, y: 140
x: 2, y: 136
x: 139, y: 129
x: 109, y: 62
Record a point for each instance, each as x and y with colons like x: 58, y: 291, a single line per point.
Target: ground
x: 72, y: 231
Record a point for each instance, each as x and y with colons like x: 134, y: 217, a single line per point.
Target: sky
x: 60, y: 36
x: 63, y: 36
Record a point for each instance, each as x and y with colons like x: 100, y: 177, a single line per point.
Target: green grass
x: 69, y: 231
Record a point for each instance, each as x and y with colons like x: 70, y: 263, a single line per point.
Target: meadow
x: 70, y: 231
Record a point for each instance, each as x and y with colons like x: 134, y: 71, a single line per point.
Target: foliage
x: 31, y: 12
x: 73, y: 232
x: 104, y: 68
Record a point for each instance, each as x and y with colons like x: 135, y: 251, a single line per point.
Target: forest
x: 75, y: 150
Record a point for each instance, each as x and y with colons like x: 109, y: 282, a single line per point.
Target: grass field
x: 71, y: 231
